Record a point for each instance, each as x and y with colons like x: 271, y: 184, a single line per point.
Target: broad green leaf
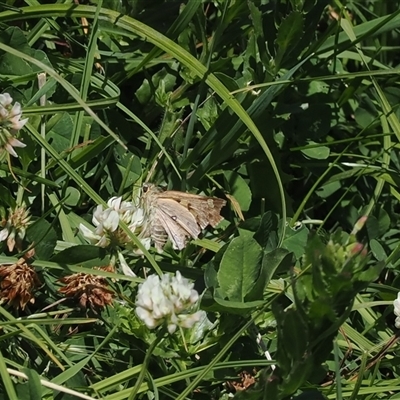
x: 73, y: 196
x: 239, y: 268
x: 32, y: 389
x: 267, y: 233
x: 272, y: 261
x: 318, y: 153
x: 12, y: 65
x: 257, y: 19
x: 60, y: 128
x: 239, y: 189
x: 290, y: 32
x: 296, y: 240
x: 79, y: 254
x: 328, y: 189
x: 377, y: 250
x: 44, y: 237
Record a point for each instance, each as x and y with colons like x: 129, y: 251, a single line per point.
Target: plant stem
x: 146, y: 361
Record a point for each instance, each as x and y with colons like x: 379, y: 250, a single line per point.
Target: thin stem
x: 146, y: 361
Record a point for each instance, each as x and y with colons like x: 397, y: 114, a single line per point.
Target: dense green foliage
x: 289, y: 110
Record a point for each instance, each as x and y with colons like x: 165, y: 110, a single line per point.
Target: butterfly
x: 177, y: 215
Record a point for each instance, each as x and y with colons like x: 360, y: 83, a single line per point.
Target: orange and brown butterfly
x: 177, y: 215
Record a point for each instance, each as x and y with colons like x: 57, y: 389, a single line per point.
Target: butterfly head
x: 146, y: 187
x: 148, y: 196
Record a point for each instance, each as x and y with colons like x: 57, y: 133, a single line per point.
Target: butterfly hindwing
x: 175, y: 232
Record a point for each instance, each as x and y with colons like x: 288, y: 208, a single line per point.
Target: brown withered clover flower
x: 90, y: 290
x: 14, y: 228
x: 17, y: 283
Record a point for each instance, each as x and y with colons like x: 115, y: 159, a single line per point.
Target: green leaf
x: 239, y: 268
x: 257, y: 19
x: 239, y: 189
x: 267, y: 233
x: 318, y: 153
x: 128, y: 166
x: 79, y: 254
x: 377, y: 250
x: 32, y: 389
x: 272, y: 261
x: 328, y: 189
x: 73, y: 196
x: 13, y: 65
x: 289, y: 34
x: 59, y: 133
x: 44, y: 237
x: 219, y: 304
x: 296, y: 240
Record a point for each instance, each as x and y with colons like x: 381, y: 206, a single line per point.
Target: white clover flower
x: 137, y: 219
x: 396, y: 305
x: 125, y: 209
x: 5, y: 99
x: 14, y: 228
x: 106, y: 223
x: 168, y: 301
x: 94, y: 238
x: 10, y: 124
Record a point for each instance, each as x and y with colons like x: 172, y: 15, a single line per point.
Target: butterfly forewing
x: 205, y: 209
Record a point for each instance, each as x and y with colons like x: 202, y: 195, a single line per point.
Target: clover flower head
x: 168, y: 301
x: 90, y: 290
x: 125, y: 209
x: 17, y: 283
x: 14, y: 228
x: 10, y: 124
x: 396, y: 305
x: 106, y: 223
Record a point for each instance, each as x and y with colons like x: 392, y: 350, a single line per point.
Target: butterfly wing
x: 178, y: 215
x: 175, y: 232
x: 206, y: 210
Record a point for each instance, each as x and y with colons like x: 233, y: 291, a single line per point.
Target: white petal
x: 114, y: 202
x: 103, y: 242
x: 11, y: 150
x: 16, y: 110
x: 125, y: 267
x: 110, y: 220
x: 194, y: 296
x: 5, y: 99
x: 189, y: 320
x: 3, y: 234
x: 137, y: 218
x: 146, y: 317
x: 171, y: 328
x: 18, y: 124
x: 146, y: 242
x: 16, y: 143
x: 3, y: 112
x: 97, y: 215
x: 88, y: 234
